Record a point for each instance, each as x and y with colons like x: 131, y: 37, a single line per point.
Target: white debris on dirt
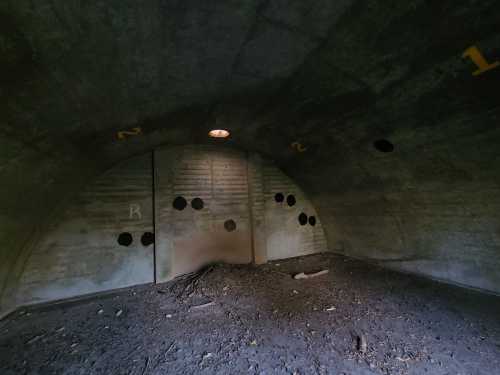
x: 35, y: 339
x: 260, y: 325
x: 303, y: 275
x: 208, y: 355
x: 198, y: 307
x: 119, y: 312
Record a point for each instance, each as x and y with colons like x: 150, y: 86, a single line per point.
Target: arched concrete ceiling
x: 332, y: 75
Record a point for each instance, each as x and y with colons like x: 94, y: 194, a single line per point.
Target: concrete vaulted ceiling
x: 332, y: 75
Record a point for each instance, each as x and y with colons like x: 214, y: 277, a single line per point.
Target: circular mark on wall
x: 179, y: 203
x: 197, y: 203
x: 302, y: 219
x: 147, y: 239
x: 230, y: 225
x: 312, y: 220
x: 383, y: 145
x: 290, y: 200
x: 279, y: 197
x: 125, y: 239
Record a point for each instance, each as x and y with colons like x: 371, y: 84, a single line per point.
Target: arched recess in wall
x: 96, y: 244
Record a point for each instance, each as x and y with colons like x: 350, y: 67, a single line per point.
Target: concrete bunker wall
x: 166, y: 213
x: 80, y: 254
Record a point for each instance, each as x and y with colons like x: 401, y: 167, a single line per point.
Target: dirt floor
x: 357, y: 319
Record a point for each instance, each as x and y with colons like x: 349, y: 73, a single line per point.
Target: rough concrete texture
x: 234, y: 186
x: 80, y: 251
x: 190, y: 238
x: 80, y: 254
x: 356, y: 320
x: 334, y: 76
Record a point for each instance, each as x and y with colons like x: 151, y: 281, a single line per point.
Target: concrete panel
x: 285, y: 236
x: 189, y: 238
x: 234, y: 186
x: 80, y: 253
x: 257, y: 201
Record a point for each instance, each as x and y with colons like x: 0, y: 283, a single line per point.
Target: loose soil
x: 357, y: 319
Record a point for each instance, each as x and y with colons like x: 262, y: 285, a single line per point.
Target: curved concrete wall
x: 79, y: 252
x: 334, y: 76
x: 431, y: 207
x: 37, y: 179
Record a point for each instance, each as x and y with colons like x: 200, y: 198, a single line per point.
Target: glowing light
x: 218, y: 133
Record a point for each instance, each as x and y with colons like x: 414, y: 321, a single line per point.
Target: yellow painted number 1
x: 477, y: 58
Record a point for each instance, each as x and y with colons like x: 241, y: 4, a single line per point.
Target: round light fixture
x: 218, y: 133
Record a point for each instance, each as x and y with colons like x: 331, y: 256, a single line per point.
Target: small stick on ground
x: 302, y: 275
x: 35, y: 339
x: 198, y: 307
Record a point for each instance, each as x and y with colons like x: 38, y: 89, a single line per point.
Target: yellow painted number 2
x: 121, y: 135
x: 298, y: 146
x: 477, y: 58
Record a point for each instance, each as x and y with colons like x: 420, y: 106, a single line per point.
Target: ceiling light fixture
x: 218, y: 133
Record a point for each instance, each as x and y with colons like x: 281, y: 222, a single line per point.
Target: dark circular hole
x: 147, y: 239
x: 197, y: 203
x: 125, y: 239
x: 312, y: 220
x: 279, y: 197
x: 230, y: 225
x: 290, y: 200
x: 383, y: 145
x: 302, y: 219
x: 179, y: 203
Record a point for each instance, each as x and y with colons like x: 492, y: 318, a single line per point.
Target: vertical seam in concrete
x: 153, y: 201
x: 212, y: 193
x: 250, y: 208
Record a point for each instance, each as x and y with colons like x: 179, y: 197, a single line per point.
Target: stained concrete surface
x: 334, y: 76
x: 262, y: 321
x: 79, y: 253
x: 233, y: 185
